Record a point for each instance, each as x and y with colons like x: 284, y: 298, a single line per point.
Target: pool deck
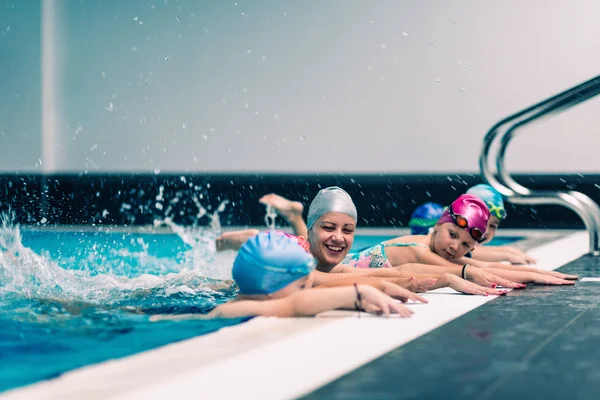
x: 275, y: 358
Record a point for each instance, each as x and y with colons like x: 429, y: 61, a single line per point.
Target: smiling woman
x: 331, y: 225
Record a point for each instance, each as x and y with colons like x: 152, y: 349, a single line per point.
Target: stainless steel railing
x: 504, y: 131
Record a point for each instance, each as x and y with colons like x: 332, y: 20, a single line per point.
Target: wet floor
x: 542, y: 342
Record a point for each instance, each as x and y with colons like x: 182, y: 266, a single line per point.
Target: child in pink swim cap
x: 462, y: 226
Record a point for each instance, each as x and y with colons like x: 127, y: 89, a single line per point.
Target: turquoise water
x: 69, y: 299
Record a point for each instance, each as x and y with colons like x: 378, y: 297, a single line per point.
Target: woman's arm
x: 413, y: 276
x: 410, y: 283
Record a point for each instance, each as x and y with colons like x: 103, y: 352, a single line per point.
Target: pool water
x: 70, y: 299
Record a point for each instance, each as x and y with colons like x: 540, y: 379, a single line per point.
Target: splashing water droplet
x: 270, y: 216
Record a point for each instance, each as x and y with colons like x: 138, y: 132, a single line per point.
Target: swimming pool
x: 71, y: 298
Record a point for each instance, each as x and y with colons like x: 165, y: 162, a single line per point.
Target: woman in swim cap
x: 332, y: 218
x: 330, y: 227
x: 329, y: 235
x: 274, y: 275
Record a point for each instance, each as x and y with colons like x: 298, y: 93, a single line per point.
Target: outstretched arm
x: 313, y: 301
x: 502, y: 253
x: 498, y: 267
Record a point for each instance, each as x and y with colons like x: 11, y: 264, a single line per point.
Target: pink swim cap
x: 473, y: 209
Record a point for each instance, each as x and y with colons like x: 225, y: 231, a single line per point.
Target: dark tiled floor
x: 539, y: 343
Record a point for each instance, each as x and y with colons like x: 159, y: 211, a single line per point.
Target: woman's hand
x: 415, y: 284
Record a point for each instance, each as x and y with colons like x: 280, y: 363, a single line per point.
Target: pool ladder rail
x: 504, y: 131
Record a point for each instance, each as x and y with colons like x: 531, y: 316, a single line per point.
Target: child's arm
x: 476, y: 275
x: 414, y: 276
x: 289, y: 210
x: 529, y: 277
x: 313, y: 301
x: 509, y: 267
x: 234, y: 240
x: 502, y: 253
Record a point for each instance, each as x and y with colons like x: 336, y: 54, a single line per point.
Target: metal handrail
x: 505, y: 130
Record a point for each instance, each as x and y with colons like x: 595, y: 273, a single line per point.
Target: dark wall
x: 136, y: 199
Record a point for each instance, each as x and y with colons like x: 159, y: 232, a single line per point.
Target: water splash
x: 270, y: 216
x: 104, y: 274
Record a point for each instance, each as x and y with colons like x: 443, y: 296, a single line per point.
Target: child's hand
x: 483, y: 278
x: 376, y: 302
x: 545, y: 279
x: 402, y: 294
x: 517, y: 256
x: 464, y: 286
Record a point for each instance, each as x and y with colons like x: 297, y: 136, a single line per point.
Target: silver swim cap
x: 331, y: 199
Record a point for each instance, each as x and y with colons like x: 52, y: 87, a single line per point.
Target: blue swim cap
x: 269, y: 262
x: 491, y: 198
x: 425, y: 217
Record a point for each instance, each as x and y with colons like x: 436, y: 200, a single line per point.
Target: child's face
x: 492, y: 227
x: 300, y: 284
x: 331, y: 237
x: 451, y: 242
